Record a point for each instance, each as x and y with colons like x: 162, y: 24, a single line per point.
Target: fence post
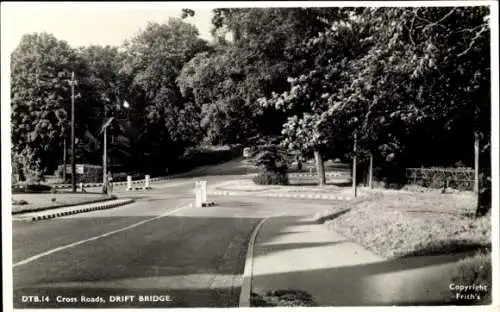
x: 198, y: 199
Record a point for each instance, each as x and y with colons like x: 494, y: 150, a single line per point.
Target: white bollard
x: 81, y: 186
x: 203, y: 186
x: 198, y: 200
x: 129, y: 183
x: 147, y: 182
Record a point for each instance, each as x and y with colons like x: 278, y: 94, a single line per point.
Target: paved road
x: 157, y: 248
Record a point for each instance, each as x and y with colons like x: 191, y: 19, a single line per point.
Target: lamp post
x: 73, y: 83
x: 104, y: 130
x: 65, y: 151
x: 105, y: 161
x: 354, y: 163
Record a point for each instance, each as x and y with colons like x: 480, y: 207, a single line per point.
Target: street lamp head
x: 126, y: 104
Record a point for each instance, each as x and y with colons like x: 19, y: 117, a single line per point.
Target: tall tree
x: 390, y: 74
x: 215, y: 82
x: 153, y: 60
x: 263, y: 51
x: 40, y: 68
x: 103, y: 96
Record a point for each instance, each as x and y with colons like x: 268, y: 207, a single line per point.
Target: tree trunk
x: 476, y: 164
x: 320, y: 168
x: 299, y: 164
x: 370, y: 172
x: 482, y: 187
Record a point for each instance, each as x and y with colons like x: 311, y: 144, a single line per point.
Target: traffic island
x: 246, y: 187
x: 71, y: 210
x: 26, y: 203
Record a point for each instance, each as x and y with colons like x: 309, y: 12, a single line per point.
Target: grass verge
x: 282, y: 298
x: 474, y: 271
x: 24, y: 203
x: 395, y: 225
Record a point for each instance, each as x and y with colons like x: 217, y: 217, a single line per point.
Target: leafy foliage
x: 153, y: 60
x: 270, y: 178
x: 40, y: 67
x: 413, y: 84
x: 271, y: 158
x: 402, y: 78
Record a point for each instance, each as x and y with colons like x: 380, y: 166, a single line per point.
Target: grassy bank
x: 22, y: 203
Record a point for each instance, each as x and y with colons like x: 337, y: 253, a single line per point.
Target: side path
x: 298, y: 261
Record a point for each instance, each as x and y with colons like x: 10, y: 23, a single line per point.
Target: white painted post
x: 129, y: 183
x: 198, y: 194
x: 203, y: 186
x: 81, y: 187
x: 147, y: 182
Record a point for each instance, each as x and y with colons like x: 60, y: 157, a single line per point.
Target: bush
x: 271, y: 158
x: 271, y: 178
x: 19, y: 202
x: 484, y: 200
x: 392, y: 176
x: 31, y: 188
x: 475, y: 270
x: 273, y: 162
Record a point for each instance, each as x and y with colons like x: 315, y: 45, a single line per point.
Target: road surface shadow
x: 332, y: 216
x: 265, y: 249
x: 448, y: 247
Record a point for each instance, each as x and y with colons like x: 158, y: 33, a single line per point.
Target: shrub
x: 484, y: 200
x: 19, y: 202
x: 31, y: 188
x: 271, y: 178
x: 273, y: 163
x: 475, y: 270
x: 272, y: 158
x: 392, y: 176
x: 59, y: 174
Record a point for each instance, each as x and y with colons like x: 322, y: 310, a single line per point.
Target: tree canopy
x: 412, y: 82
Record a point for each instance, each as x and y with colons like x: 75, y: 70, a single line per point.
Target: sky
x: 110, y: 23
x: 90, y: 24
